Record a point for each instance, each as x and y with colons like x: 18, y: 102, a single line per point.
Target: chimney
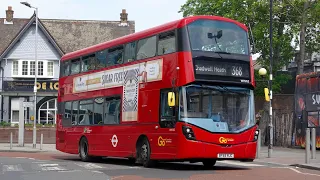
x: 124, y: 16
x: 9, y: 14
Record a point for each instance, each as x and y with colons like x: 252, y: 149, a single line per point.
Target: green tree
x: 287, y: 18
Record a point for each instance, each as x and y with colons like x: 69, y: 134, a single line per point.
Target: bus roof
x: 145, y: 33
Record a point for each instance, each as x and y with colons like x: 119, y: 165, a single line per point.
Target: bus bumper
x: 201, y: 150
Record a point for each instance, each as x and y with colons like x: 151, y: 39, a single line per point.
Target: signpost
x: 22, y: 106
x: 21, y: 122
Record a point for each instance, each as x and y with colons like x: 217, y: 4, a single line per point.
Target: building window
x: 40, y: 68
x: 25, y: 68
x: 15, y: 68
x: 32, y: 68
x: 47, y: 112
x: 50, y: 69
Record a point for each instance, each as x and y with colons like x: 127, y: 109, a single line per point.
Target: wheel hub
x: 144, y: 152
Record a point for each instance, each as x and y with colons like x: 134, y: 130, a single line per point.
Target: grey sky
x: 145, y: 13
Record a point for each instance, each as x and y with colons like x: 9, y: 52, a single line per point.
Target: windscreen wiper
x: 228, y: 90
x: 222, y: 52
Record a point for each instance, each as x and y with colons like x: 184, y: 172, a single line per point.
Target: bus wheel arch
x: 143, y: 151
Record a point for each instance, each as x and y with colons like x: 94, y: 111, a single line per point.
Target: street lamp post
x: 262, y: 73
x: 35, y: 78
x: 270, y: 86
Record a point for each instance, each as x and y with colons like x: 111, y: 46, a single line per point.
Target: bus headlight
x: 256, y: 135
x: 188, y: 132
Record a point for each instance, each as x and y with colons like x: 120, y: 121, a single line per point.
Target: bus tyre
x: 83, y: 150
x: 208, y: 164
x: 144, y: 152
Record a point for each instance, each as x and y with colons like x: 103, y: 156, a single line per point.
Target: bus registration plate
x: 223, y: 155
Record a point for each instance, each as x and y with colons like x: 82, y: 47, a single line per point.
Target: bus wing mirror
x: 266, y: 94
x: 219, y: 35
x: 171, y: 99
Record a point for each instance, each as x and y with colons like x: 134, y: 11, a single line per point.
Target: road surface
x: 46, y: 166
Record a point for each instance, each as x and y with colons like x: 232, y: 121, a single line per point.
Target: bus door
x: 166, y: 136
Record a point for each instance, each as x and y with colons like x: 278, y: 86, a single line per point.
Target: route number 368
x: 236, y: 71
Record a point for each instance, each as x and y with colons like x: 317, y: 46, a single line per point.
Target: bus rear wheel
x: 83, y: 150
x: 208, y: 164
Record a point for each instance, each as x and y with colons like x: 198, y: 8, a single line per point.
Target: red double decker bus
x: 182, y: 91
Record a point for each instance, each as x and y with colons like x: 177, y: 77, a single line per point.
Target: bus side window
x: 167, y: 43
x: 101, y: 59
x: 74, y: 115
x: 112, y: 111
x: 86, y: 112
x: 114, y: 56
x: 88, y: 63
x: 129, y: 52
x: 167, y: 116
x: 147, y: 48
x: 66, y: 68
x: 66, y: 121
x: 75, y: 66
x: 98, y: 111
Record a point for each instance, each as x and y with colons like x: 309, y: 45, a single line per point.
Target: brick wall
x: 49, y: 135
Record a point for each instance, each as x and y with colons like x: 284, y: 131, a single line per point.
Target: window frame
x: 29, y: 70
x: 149, y: 37
x: 13, y: 68
x: 113, y: 50
x: 172, y: 118
x: 167, y: 37
x: 67, y: 63
x: 111, y: 99
x: 48, y: 64
x: 93, y: 102
x: 125, y: 57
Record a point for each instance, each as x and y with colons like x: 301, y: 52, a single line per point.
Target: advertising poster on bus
x: 131, y: 78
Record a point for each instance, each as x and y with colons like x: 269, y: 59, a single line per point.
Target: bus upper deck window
x: 167, y: 43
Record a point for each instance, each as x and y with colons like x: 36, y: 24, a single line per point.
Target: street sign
x: 27, y: 104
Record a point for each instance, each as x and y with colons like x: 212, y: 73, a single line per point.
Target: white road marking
x: 71, y: 171
x: 12, y: 168
x: 295, y: 170
x: 239, y: 163
x: 51, y: 167
x: 97, y: 172
x: 89, y: 165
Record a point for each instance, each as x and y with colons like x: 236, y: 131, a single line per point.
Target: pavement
x: 5, y: 147
x: 289, y: 157
x: 292, y: 157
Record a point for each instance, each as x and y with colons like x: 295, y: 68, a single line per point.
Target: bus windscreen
x: 218, y: 36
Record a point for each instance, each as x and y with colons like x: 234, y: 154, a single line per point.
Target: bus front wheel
x: 208, y: 164
x: 144, y: 152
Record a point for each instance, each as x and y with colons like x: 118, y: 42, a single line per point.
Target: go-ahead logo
x: 161, y: 141
x: 224, y: 140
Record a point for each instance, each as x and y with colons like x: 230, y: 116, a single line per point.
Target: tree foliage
x: 255, y: 15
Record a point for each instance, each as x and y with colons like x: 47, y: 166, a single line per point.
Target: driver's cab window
x: 167, y: 113
x: 166, y: 110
